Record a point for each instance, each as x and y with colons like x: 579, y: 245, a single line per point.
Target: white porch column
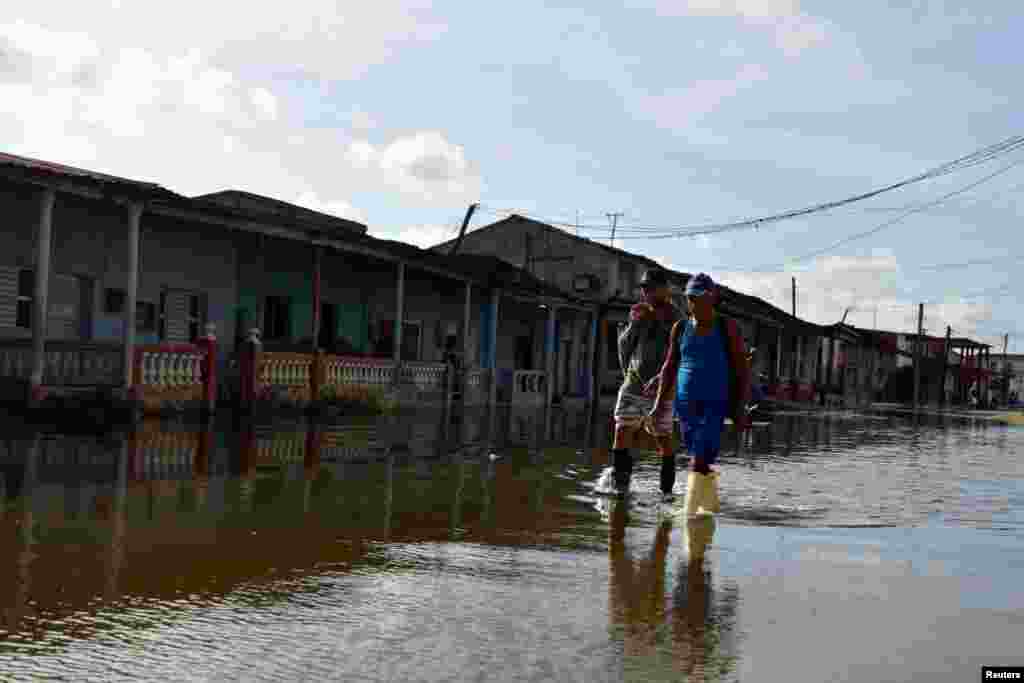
x: 134, y: 216
x: 467, y: 318
x: 399, y: 316
x: 495, y: 300
x: 799, y: 356
x: 778, y: 357
x: 578, y: 335
x: 592, y: 360
x: 550, y: 349
x: 467, y: 313
x: 42, y: 287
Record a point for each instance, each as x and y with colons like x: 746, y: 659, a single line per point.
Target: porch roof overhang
x: 363, y: 245
x: 843, y: 332
x: 80, y: 182
x: 965, y: 343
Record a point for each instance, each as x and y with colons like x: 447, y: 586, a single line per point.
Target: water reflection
x: 170, y: 523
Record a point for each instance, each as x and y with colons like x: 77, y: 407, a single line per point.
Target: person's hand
x: 651, y: 387
x: 743, y: 422
x: 642, y: 311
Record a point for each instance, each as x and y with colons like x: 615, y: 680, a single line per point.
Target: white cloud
x: 332, y: 207
x: 362, y: 121
x: 423, y: 166
x: 180, y: 119
x: 422, y: 236
x: 794, y: 31
x: 317, y: 37
x: 679, y: 108
x: 873, y: 288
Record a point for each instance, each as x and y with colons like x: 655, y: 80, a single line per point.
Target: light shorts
x: 631, y: 412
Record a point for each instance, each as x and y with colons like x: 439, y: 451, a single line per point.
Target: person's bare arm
x: 667, y: 375
x: 639, y: 320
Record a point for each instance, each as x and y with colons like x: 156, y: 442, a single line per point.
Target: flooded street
x: 849, y: 548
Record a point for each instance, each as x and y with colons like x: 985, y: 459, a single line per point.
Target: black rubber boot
x: 668, y: 473
x: 622, y: 468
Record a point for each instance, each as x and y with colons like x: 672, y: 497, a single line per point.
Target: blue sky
x: 677, y: 114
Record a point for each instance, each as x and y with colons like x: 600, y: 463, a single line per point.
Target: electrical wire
x: 906, y: 214
x: 976, y: 158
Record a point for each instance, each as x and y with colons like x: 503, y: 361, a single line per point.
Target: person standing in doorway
x: 707, y: 364
x: 642, y: 348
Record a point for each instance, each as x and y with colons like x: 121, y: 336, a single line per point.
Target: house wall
x: 175, y: 254
x: 90, y: 242
x: 508, y: 241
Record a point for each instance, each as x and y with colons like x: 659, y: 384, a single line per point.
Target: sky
x: 676, y: 114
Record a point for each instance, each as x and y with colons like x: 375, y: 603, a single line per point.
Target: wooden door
x: 64, y: 308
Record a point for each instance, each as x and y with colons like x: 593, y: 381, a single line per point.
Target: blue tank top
x: 703, y: 367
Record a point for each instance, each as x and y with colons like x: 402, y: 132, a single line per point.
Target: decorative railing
x: 281, y: 449
x: 170, y: 365
x: 65, y: 363
x: 166, y: 455
x: 168, y: 374
x: 292, y: 372
x: 425, y: 376
x: 355, y: 370
x: 529, y: 385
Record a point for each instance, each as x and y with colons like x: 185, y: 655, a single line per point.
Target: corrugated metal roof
x: 249, y: 201
x: 62, y: 169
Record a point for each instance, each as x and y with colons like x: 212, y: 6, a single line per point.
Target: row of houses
x: 112, y: 282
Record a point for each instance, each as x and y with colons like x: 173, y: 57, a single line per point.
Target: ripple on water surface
x: 438, y: 562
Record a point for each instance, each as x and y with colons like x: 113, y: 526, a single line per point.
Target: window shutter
x: 176, y: 316
x: 8, y: 296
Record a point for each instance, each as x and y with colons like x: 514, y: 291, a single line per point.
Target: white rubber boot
x: 699, y: 531
x: 693, y: 494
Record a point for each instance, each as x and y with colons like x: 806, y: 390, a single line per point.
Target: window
x: 145, y: 316
x: 613, y: 345
x: 26, y: 287
x: 114, y: 301
x: 411, y: 341
x: 277, y: 318
x: 411, y: 334
x: 628, y: 278
x: 195, y: 317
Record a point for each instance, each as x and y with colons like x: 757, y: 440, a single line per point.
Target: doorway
x: 328, y: 326
x: 565, y: 361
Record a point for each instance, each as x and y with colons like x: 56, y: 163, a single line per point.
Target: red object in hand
x: 641, y: 311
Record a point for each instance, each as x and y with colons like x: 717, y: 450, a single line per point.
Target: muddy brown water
x: 849, y: 547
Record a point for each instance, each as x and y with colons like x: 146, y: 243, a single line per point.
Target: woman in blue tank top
x: 708, y: 363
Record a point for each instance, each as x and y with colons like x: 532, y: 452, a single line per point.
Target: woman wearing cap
x: 642, y: 348
x: 707, y: 364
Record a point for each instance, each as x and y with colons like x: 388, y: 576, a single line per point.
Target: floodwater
x: 849, y: 548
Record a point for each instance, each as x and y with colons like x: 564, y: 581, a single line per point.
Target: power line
x: 971, y: 200
x: 968, y: 264
x: 976, y: 158
x: 907, y: 214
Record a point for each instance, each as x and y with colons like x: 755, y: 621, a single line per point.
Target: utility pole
x: 794, y: 297
x: 614, y: 218
x: 945, y: 366
x: 917, y: 355
x: 577, y: 222
x: 1006, y: 371
x: 462, y: 231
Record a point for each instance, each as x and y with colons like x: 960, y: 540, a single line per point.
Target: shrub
x: 356, y: 400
